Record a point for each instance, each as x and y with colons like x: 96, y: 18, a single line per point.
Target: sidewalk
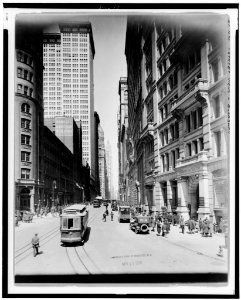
x: 36, y: 221
x: 208, y: 246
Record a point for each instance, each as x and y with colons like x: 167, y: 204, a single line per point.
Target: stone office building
x: 177, y: 104
x: 28, y: 118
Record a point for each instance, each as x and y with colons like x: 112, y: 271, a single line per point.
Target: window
x: 194, y: 120
x: 162, y: 138
x: 161, y: 115
x: 216, y: 107
x: 25, y: 123
x: 25, y: 108
x: 176, y: 135
x: 25, y: 139
x: 163, y: 163
x: 20, y: 56
x: 20, y: 88
x: 172, y: 131
x: 31, y: 93
x: 178, y: 153
x: 195, y: 147
x: 167, y: 161
x: 20, y: 72
x: 25, y: 156
x: 166, y: 136
x: 25, y: 173
x: 189, y: 149
x: 217, y: 137
x: 173, y: 159
x: 200, y: 116
x: 165, y: 111
x: 31, y: 77
x: 25, y: 74
x: 201, y: 145
x: 188, y: 123
x: 25, y: 90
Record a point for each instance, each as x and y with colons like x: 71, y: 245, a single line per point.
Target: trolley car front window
x: 71, y: 223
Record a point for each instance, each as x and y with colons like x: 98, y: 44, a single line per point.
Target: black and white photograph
x: 120, y: 127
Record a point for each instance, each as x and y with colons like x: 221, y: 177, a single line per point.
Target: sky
x: 109, y: 65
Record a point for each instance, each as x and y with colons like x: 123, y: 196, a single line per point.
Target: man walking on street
x: 35, y: 244
x: 182, y: 224
x: 111, y: 215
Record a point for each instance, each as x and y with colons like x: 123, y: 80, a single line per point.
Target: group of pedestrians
x: 106, y: 213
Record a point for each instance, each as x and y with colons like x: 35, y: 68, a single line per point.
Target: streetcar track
x: 81, y: 260
x: 43, y: 236
x: 72, y: 265
x: 27, y: 251
x: 48, y: 236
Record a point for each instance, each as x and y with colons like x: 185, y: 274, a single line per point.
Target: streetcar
x: 97, y: 201
x: 124, y: 213
x: 73, y: 223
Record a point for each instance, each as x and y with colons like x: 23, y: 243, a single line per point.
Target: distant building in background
x: 59, y: 180
x: 67, y: 131
x: 123, y: 140
x: 109, y: 169
x: 28, y: 118
x: 177, y: 107
x: 102, y: 162
x: 68, y: 87
x: 95, y: 186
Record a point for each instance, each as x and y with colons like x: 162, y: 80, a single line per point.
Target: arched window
x: 25, y: 107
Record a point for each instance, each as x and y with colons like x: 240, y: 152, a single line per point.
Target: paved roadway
x: 110, y: 248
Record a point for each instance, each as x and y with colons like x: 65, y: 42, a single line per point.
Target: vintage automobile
x: 141, y: 224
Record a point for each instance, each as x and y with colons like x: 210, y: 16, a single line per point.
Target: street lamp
x: 137, y: 190
x: 54, y: 187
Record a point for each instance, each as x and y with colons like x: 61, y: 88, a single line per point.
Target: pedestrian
x: 221, y: 226
x: 104, y: 217
x: 200, y: 224
x: 41, y: 212
x: 205, y: 227
x: 182, y: 224
x: 107, y: 212
x: 164, y: 228
x: 153, y: 223
x: 35, y: 244
x: 158, y: 226
x: 111, y: 215
x: 38, y: 211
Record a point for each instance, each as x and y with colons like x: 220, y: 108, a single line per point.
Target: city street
x: 112, y: 248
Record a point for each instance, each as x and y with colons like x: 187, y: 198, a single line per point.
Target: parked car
x: 141, y: 224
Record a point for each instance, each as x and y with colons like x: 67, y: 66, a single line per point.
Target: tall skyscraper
x: 68, y: 88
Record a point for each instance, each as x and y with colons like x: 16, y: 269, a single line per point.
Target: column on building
x: 32, y: 194
x: 204, y: 208
x: 182, y: 187
x: 169, y: 196
x: 158, y: 199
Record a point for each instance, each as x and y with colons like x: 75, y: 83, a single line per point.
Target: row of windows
x: 194, y: 147
x: 194, y: 120
x: 169, y: 160
x: 174, y: 134
x: 25, y: 90
x: 25, y: 74
x: 22, y: 57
